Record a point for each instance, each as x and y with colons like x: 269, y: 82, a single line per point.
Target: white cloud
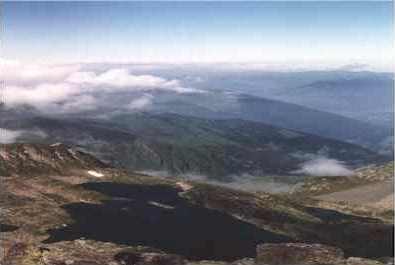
x: 141, y: 103
x: 324, y: 167
x: 39, y: 95
x: 122, y: 79
x: 246, y: 182
x: 9, y: 136
x: 78, y: 104
x: 66, y: 89
x: 16, y: 73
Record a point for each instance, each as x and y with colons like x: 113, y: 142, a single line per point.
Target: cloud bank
x: 143, y: 102
x: 68, y: 89
x: 9, y: 136
x: 245, y: 182
x: 17, y: 73
x: 324, y: 167
x: 121, y: 79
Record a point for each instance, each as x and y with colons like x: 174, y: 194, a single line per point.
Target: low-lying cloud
x: 9, y: 136
x: 121, y: 79
x: 324, y: 167
x: 245, y: 182
x: 22, y: 74
x: 252, y: 183
x: 65, y: 89
x: 143, y: 102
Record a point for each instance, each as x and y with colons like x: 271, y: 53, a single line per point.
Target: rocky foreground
x: 60, y: 206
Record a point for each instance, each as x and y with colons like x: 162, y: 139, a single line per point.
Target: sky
x: 198, y: 32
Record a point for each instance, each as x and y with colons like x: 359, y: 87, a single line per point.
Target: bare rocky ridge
x: 368, y: 192
x: 65, y: 207
x: 368, y: 175
x: 378, y: 195
x: 30, y: 159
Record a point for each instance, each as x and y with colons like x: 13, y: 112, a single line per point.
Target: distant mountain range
x: 281, y: 114
x: 363, y: 95
x: 363, y: 98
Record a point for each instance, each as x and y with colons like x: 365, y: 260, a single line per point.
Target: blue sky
x: 309, y: 32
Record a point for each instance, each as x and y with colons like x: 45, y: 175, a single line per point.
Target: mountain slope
x: 228, y: 105
x: 179, y: 144
x: 218, y: 105
x: 299, y: 118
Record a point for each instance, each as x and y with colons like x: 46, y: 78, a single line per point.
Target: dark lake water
x: 156, y: 216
